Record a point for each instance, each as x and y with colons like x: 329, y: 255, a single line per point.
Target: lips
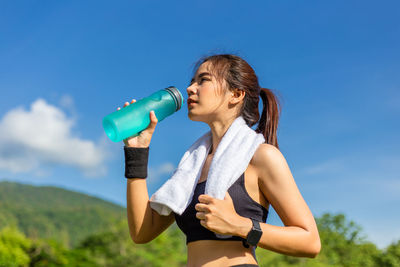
x: 190, y: 101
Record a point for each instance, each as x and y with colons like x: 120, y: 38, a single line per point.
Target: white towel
x: 230, y: 160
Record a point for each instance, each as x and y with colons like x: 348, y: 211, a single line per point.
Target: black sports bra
x: 244, y: 205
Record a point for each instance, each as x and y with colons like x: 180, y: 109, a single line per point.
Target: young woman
x: 223, y: 88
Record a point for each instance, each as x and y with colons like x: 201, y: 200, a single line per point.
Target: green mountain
x: 47, y: 212
x: 97, y: 234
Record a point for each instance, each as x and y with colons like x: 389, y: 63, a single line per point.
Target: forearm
x: 289, y: 240
x: 138, y: 209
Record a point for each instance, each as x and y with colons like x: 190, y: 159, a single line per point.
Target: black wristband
x: 136, y: 159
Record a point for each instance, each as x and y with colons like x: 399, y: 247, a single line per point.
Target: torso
x: 210, y: 252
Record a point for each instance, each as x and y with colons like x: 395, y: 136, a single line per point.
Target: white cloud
x: 30, y: 139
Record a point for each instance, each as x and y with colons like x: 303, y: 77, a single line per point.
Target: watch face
x: 253, y: 237
x: 255, y: 234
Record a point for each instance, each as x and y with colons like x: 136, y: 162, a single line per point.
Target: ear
x: 237, y: 95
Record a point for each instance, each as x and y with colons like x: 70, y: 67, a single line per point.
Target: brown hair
x: 237, y: 73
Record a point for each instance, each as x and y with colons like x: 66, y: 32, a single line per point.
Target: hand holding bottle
x: 134, y: 117
x: 144, y: 138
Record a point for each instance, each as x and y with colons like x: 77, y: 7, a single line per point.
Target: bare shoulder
x: 268, y: 161
x: 266, y: 155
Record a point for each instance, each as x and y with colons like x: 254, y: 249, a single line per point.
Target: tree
x: 114, y: 247
x: 342, y: 245
x: 14, y: 248
x: 391, y: 255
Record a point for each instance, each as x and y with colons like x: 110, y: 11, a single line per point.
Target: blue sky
x: 66, y: 64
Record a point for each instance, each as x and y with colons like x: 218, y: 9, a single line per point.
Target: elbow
x: 137, y: 239
x: 311, y: 246
x: 140, y: 241
x: 314, y: 248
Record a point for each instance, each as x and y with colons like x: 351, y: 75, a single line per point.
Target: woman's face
x: 209, y: 96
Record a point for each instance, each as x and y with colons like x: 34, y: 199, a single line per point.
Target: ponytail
x: 268, y: 123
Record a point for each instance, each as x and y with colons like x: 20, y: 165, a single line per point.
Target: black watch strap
x: 254, y: 236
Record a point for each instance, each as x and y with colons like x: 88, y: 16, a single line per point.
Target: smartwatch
x: 255, y: 233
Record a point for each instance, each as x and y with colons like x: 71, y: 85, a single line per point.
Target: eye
x: 203, y: 79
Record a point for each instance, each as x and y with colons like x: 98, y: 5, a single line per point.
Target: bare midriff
x: 209, y: 253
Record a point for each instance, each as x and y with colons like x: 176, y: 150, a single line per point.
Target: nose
x: 191, y: 89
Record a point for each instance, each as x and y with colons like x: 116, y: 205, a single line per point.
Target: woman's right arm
x: 145, y: 224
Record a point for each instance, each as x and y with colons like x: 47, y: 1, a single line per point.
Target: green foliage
x: 391, y: 255
x: 115, y: 248
x: 48, y: 253
x: 50, y: 212
x: 14, y: 247
x: 112, y: 247
x: 17, y: 250
x: 39, y: 228
x: 167, y: 249
x: 342, y: 245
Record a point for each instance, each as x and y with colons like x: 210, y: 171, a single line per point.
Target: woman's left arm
x: 299, y: 236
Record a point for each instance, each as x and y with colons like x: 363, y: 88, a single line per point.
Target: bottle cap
x: 176, y: 95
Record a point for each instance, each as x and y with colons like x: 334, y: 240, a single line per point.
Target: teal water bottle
x: 131, y: 120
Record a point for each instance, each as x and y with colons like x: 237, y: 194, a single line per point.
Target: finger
x: 200, y: 215
x: 203, y: 223
x: 202, y: 207
x: 126, y: 104
x: 153, y: 121
x: 206, y: 199
x: 133, y: 101
x: 153, y: 116
x: 118, y: 108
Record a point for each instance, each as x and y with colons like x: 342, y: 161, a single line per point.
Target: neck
x: 218, y: 129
